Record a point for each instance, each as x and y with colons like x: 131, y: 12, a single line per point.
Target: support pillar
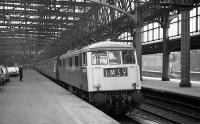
x: 138, y: 38
x: 139, y: 49
x: 185, y: 49
x: 165, y: 67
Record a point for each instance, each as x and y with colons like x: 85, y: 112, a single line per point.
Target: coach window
x: 63, y: 62
x: 54, y: 66
x: 59, y: 62
x: 128, y: 57
x: 66, y: 62
x: 76, y: 61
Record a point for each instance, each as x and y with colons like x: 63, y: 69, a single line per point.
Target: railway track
x: 169, y: 108
x: 141, y: 120
x: 123, y: 119
x: 163, y: 108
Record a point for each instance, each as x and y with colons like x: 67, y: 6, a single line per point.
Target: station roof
x: 51, y: 27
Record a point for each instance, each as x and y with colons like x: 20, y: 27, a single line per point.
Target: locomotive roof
x: 106, y: 45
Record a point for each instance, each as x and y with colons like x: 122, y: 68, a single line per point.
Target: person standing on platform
x: 20, y: 73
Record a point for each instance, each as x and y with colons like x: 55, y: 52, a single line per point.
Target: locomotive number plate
x: 115, y: 72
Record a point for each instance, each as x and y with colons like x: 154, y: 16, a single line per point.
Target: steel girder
x: 38, y: 20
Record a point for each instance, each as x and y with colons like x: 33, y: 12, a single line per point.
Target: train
x: 105, y: 73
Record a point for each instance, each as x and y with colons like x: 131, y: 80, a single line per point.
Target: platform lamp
x: 8, y: 18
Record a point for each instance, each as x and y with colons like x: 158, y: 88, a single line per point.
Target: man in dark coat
x: 20, y: 73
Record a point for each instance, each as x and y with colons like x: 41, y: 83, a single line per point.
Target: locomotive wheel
x: 109, y: 103
x: 3, y: 82
x: 109, y: 106
x: 99, y: 99
x: 122, y: 107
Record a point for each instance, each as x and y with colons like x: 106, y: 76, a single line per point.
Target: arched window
x: 152, y: 32
x: 126, y: 36
x: 174, y: 29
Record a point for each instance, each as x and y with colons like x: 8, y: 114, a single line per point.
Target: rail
x: 170, y: 107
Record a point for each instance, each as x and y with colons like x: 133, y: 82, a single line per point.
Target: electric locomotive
x: 105, y: 73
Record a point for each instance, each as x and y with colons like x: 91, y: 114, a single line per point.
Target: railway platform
x: 38, y: 100
x: 172, y: 86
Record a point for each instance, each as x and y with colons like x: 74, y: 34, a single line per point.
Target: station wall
x: 153, y: 62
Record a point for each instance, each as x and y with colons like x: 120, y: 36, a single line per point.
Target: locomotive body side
x: 71, y: 70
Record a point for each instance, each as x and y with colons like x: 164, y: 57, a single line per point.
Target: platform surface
x: 37, y: 100
x: 171, y: 86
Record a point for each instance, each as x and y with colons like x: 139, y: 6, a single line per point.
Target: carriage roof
x: 50, y: 59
